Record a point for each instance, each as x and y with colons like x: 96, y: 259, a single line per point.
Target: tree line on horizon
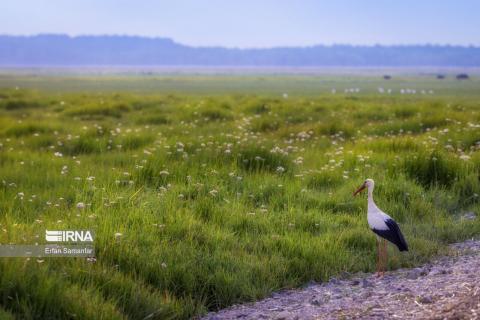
x: 62, y: 50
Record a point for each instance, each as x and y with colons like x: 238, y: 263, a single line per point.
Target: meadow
x: 209, y: 191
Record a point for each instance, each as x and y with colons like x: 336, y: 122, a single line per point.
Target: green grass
x: 225, y: 197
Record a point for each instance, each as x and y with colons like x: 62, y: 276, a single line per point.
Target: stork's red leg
x: 383, y: 254
x: 378, y: 257
x: 385, y: 249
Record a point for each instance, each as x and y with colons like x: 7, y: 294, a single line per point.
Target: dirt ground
x: 447, y: 288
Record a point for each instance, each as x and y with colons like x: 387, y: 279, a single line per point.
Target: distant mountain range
x: 62, y: 50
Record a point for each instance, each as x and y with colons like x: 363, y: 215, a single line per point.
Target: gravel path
x: 447, y: 288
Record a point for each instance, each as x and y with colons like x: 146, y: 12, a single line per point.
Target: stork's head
x: 369, y: 184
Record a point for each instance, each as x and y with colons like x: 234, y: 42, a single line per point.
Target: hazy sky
x: 253, y: 23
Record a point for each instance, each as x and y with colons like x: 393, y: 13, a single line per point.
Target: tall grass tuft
x: 435, y: 168
x: 255, y: 159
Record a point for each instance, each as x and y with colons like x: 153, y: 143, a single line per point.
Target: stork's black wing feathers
x: 393, y: 234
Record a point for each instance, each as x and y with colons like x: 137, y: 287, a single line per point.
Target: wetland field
x: 208, y: 190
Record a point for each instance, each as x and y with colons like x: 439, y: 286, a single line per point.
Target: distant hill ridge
x: 62, y: 50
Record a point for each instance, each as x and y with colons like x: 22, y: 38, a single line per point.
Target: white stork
x: 384, y: 226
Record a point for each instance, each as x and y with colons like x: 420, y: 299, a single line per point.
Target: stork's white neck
x: 371, y: 204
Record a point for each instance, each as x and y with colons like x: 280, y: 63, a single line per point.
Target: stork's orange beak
x: 359, y: 189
